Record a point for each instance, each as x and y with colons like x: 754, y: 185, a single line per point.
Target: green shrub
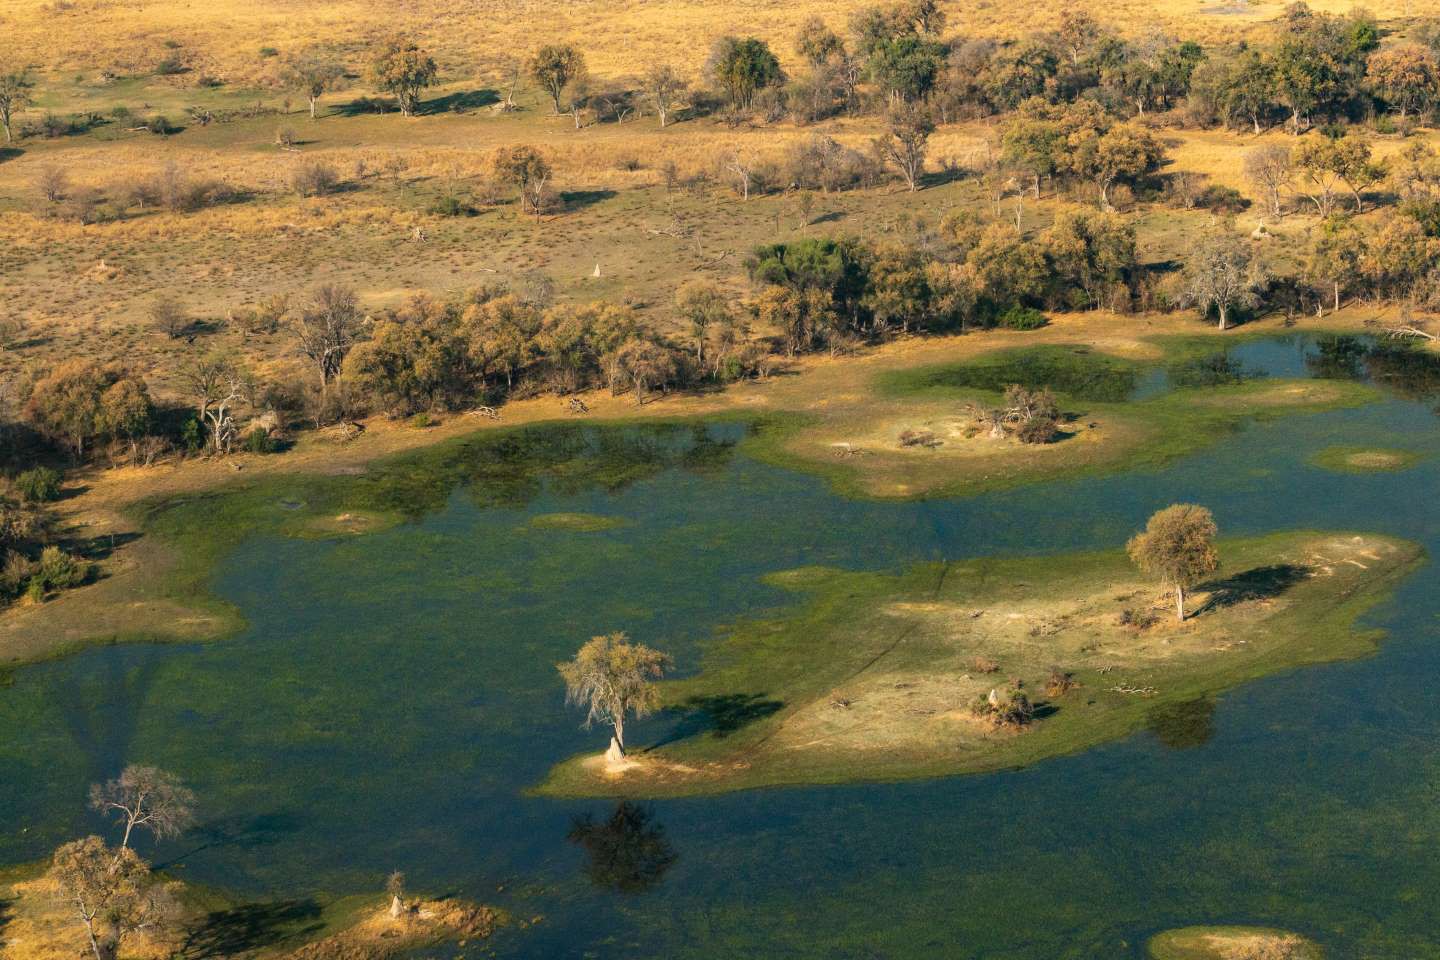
x: 39, y: 485
x: 1004, y: 708
x: 1023, y: 318
x: 192, y: 434
x: 59, y: 570
x: 35, y: 591
x: 268, y: 52
x: 422, y: 420
x: 258, y: 441
x: 170, y: 66
x: 451, y: 206
x: 160, y: 125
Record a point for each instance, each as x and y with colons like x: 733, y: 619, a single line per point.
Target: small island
x: 985, y: 664
x: 1365, y: 459
x: 1232, y: 943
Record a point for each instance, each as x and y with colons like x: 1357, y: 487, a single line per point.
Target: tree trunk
x: 1337, y: 295
x: 1180, y: 602
x: 312, y: 107
x: 620, y: 721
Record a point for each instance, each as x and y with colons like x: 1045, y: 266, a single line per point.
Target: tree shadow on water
x: 628, y: 852
x: 721, y: 715
x: 250, y: 926
x: 240, y: 833
x: 1183, y: 726
x: 1260, y: 583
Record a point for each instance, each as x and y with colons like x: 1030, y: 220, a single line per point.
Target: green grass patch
x: 1351, y: 459
x: 575, y: 522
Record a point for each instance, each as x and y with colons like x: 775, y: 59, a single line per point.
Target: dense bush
x: 38, y: 485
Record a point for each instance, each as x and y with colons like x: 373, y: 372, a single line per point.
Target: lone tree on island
x: 612, y: 677
x: 1178, y: 546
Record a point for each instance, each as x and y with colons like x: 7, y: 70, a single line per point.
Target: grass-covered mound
x: 1365, y: 459
x: 1124, y: 404
x: 881, y: 676
x: 575, y: 522
x: 1232, y: 943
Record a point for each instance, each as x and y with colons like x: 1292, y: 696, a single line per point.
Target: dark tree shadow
x: 251, y: 926
x: 1261, y: 583
x: 721, y: 715
x: 580, y: 199
x: 101, y: 708
x: 7, y: 913
x: 10, y: 153
x: 461, y: 101
x: 628, y: 852
x: 241, y: 832
x: 1183, y: 726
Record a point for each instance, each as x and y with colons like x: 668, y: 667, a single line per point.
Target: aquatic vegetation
x: 1231, y: 943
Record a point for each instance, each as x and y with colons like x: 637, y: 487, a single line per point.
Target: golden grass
x: 223, y: 39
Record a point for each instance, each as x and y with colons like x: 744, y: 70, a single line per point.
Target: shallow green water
x: 394, y: 694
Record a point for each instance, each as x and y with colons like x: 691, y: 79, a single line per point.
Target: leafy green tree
x: 1336, y: 257
x: 907, y: 67
x: 740, y: 67
x: 554, y: 67
x: 404, y: 70
x: 1177, y: 546
x: 704, y: 307
x: 414, y: 361
x: 1089, y: 252
x: 527, y: 171
x: 613, y: 678
x: 69, y: 403
x: 1122, y: 154
x: 817, y: 43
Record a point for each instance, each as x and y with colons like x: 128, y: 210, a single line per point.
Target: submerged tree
x: 612, y: 677
x: 1178, y: 546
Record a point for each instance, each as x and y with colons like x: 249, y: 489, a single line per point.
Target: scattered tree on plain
x: 742, y: 67
x: 555, y: 67
x: 612, y: 678
x: 313, y: 74
x: 404, y: 70
x: 15, y: 87
x: 112, y: 894
x: 907, y: 133
x: 1177, y: 546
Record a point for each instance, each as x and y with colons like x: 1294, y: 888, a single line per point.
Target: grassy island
x: 1232, y: 943
x: 912, y: 431
x: 875, y: 675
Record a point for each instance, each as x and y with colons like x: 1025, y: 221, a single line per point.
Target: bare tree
x: 395, y: 887
x: 218, y: 385
x: 1272, y: 172
x: 169, y: 317
x: 328, y: 326
x: 663, y: 88
x: 741, y: 164
x: 52, y: 184
x: 148, y: 798
x: 15, y: 85
x: 1221, y: 273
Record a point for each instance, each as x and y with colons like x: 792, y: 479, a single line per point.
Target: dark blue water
x: 394, y: 694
